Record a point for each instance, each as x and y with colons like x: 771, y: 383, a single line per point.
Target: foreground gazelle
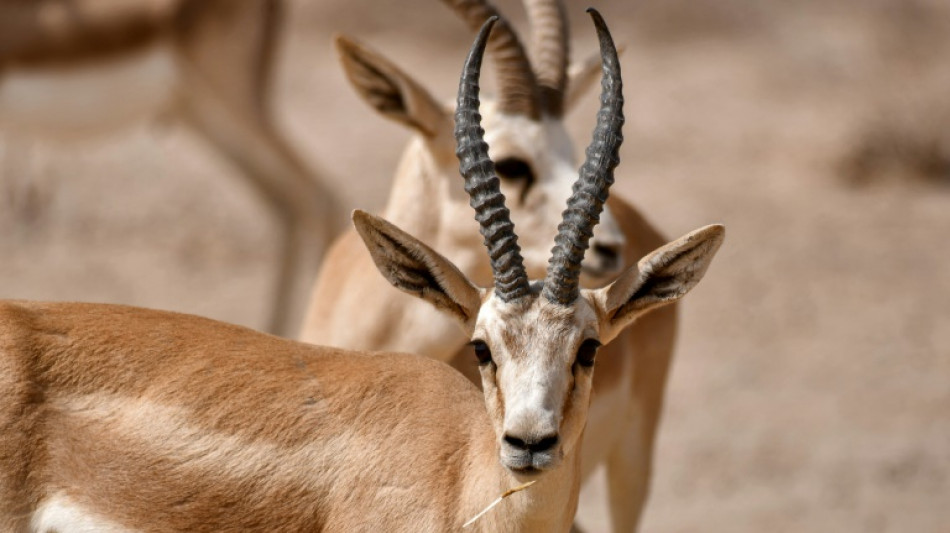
x: 351, y: 307
x: 122, y: 419
x: 77, y: 67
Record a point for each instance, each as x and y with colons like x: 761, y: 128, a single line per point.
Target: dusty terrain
x: 811, y: 388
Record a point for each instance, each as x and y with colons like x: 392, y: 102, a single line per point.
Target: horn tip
x: 598, y: 18
x: 483, y: 32
x: 601, y: 25
x: 489, y: 22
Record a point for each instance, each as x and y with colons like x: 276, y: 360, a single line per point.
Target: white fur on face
x: 533, y: 389
x: 546, y: 146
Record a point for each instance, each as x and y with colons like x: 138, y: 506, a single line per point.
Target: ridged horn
x: 592, y: 185
x: 481, y: 183
x: 517, y: 88
x: 549, y: 52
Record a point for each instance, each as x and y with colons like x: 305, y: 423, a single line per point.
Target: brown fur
x: 119, y: 417
x: 47, y: 32
x: 649, y: 343
x: 350, y: 307
x: 71, y: 369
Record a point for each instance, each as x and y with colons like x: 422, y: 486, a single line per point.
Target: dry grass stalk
x: 498, y: 500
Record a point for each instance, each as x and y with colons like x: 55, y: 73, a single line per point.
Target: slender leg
x: 228, y: 51
x: 628, y: 479
x: 630, y: 461
x: 22, y: 193
x: 306, y: 210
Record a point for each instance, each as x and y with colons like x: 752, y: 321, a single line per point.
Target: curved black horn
x: 596, y: 176
x: 481, y: 183
x: 517, y: 87
x: 549, y: 51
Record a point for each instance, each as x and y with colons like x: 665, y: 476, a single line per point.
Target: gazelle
x: 122, y: 419
x: 350, y: 305
x: 76, y: 67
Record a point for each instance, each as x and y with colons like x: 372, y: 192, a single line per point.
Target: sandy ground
x: 811, y: 388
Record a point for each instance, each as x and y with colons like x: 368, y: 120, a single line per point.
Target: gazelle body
x: 351, y: 306
x: 119, y: 419
x: 123, y: 419
x: 77, y: 68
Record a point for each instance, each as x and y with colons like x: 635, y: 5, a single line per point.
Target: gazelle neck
x: 417, y: 183
x: 437, y: 209
x: 546, y: 506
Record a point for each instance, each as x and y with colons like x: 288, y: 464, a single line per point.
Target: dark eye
x: 515, y: 169
x: 482, y: 352
x: 587, y: 352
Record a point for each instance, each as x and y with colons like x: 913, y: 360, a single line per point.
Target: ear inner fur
x: 388, y: 89
x: 409, y: 265
x: 670, y: 272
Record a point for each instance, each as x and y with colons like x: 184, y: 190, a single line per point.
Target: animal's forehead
x: 534, y: 321
x: 527, y: 138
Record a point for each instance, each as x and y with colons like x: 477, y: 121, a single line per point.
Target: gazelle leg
x: 23, y: 194
x: 226, y: 101
x: 628, y: 480
x: 630, y: 462
x: 306, y: 210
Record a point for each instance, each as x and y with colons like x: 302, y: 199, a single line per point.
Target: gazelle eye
x: 516, y: 170
x: 587, y: 352
x: 482, y: 352
x: 513, y: 168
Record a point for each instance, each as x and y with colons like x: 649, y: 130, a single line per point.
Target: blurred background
x: 811, y: 387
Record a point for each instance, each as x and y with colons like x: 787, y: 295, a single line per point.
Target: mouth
x: 529, y: 464
x: 526, y: 471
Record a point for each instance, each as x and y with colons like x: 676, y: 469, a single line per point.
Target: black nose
x: 533, y: 445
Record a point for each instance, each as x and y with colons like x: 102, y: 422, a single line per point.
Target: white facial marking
x: 546, y: 146
x: 534, y: 391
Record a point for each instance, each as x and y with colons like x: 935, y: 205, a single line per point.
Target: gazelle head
x: 536, y: 341
x: 530, y: 146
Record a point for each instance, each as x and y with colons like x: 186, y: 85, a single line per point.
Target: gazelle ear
x: 660, y: 278
x: 391, y: 91
x: 413, y: 267
x: 581, y: 77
